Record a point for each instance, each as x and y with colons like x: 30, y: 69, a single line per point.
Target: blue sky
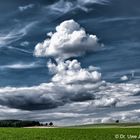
x: 77, y: 61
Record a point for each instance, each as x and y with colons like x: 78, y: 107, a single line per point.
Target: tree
x: 117, y: 121
x: 50, y: 124
x: 41, y: 124
x: 46, y: 124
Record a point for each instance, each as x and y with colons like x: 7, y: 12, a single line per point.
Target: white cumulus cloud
x: 71, y: 72
x: 69, y: 40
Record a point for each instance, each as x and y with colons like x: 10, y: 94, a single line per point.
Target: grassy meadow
x: 72, y: 133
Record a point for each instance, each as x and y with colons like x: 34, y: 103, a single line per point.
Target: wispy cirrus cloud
x: 63, y: 6
x: 15, y: 34
x: 19, y: 65
x: 25, y: 7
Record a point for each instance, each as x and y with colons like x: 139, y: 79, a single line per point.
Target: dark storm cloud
x: 39, y: 98
x: 27, y: 100
x: 83, y: 97
x: 25, y: 103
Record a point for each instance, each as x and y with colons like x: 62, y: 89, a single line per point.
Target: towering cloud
x: 70, y: 72
x: 70, y: 82
x: 69, y: 40
x: 73, y: 93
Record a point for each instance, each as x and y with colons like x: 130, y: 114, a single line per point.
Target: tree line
x: 22, y: 123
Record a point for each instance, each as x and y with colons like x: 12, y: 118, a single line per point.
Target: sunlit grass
x: 65, y: 133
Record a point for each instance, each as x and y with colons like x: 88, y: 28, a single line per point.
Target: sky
x: 70, y: 62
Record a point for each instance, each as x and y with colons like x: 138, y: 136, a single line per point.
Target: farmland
x: 70, y: 133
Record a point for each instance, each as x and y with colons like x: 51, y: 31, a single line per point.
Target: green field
x: 69, y: 133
